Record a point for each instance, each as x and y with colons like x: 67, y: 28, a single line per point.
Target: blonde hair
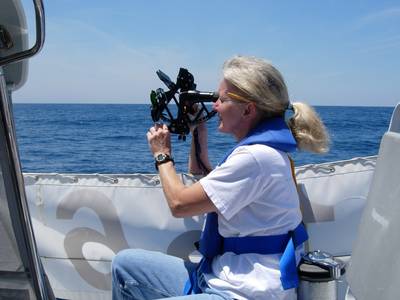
x: 308, y: 129
x: 260, y: 82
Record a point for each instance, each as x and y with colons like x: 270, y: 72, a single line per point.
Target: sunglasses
x: 234, y: 96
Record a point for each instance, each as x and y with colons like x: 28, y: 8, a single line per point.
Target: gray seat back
x: 374, y: 271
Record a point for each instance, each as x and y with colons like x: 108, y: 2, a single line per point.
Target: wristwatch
x: 161, y: 159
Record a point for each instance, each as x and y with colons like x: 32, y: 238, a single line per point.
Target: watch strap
x: 166, y: 158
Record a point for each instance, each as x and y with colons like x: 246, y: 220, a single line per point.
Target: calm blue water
x: 108, y: 138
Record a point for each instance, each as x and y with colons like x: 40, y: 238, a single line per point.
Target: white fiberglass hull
x: 81, y: 221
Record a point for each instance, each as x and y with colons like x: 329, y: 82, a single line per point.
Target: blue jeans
x: 140, y: 274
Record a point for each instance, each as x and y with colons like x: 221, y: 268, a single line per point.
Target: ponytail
x: 308, y: 129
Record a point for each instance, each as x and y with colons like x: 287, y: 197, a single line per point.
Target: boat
x: 59, y: 232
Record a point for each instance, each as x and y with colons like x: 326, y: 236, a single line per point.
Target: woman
x: 250, y: 197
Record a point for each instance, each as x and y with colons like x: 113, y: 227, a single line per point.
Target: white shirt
x: 255, y: 195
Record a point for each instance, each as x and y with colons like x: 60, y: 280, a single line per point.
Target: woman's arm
x: 183, y: 201
x: 196, y: 167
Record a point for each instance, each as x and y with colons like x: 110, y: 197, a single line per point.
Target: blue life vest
x: 276, y: 134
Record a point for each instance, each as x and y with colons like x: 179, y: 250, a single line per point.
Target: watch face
x: 161, y: 157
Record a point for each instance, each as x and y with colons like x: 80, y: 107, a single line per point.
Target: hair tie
x: 290, y: 106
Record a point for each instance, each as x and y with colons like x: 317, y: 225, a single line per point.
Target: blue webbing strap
x: 211, y: 242
x: 208, y: 249
x: 287, y: 263
x: 270, y: 244
x: 283, y: 243
x: 191, y: 286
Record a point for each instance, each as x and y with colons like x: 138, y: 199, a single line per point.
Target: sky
x: 329, y: 52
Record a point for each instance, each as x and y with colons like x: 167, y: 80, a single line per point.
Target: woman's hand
x: 159, y: 139
x: 183, y: 201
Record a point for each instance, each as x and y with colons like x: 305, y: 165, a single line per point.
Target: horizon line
x: 130, y: 103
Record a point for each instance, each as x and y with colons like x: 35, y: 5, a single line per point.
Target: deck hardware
x: 106, y: 178
x: 325, y: 261
x: 319, y: 274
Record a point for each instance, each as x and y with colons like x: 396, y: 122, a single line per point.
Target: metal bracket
x: 325, y: 261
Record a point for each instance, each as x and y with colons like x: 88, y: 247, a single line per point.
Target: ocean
x: 111, y: 138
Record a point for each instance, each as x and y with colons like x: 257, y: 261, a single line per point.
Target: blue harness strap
x: 276, y: 134
x: 208, y: 249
